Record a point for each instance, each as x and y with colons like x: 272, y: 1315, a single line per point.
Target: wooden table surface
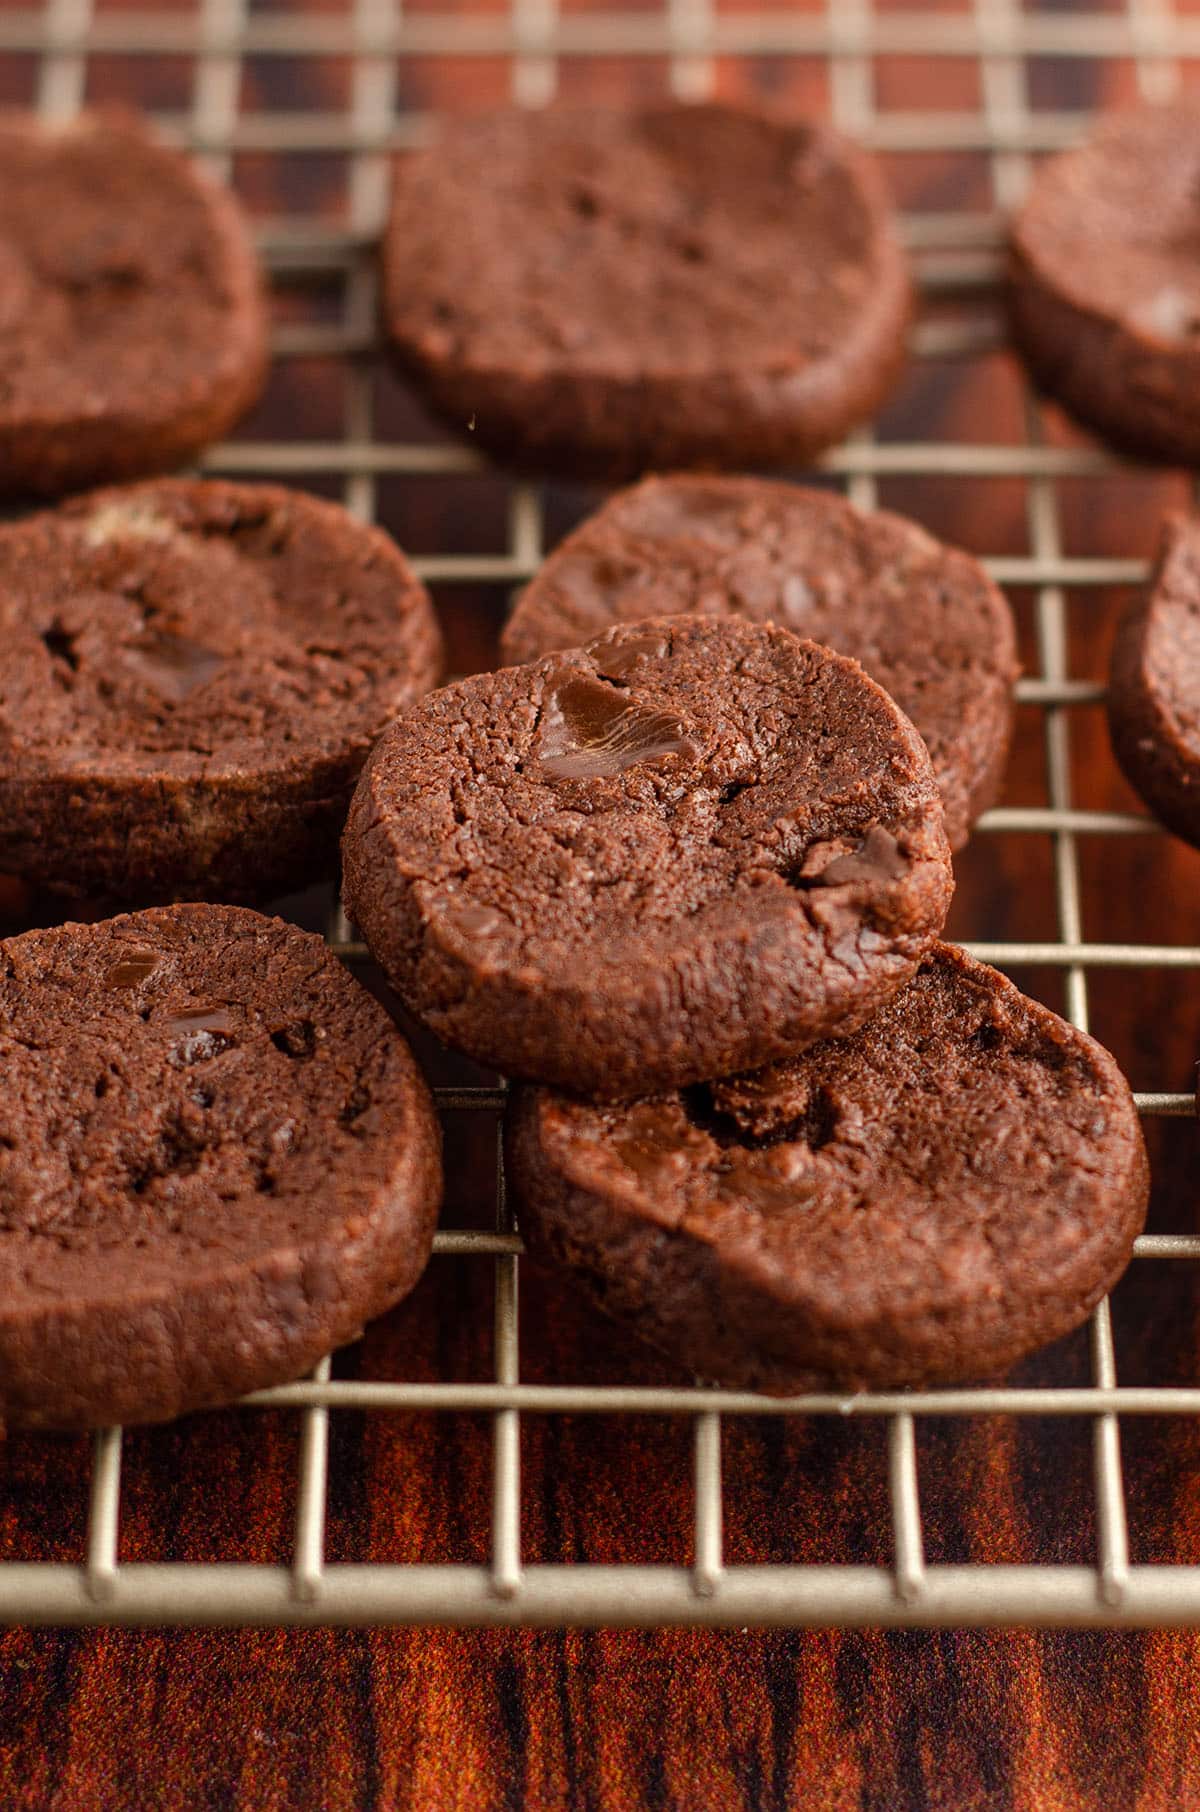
x: 716, y: 1721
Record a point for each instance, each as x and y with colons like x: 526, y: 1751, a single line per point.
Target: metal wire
x: 958, y: 256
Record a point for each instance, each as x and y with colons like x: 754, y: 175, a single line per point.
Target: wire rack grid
x: 958, y: 252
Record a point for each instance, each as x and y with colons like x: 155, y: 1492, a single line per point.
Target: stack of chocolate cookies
x: 687, y: 882
x: 680, y: 869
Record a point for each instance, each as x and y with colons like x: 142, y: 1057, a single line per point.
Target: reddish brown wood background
x: 738, y: 1720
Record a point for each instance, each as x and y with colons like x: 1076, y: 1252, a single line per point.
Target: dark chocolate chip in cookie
x: 1105, y: 280
x: 1154, y: 691
x: 924, y: 619
x: 133, y: 329
x: 681, y: 285
x: 193, y: 675
x: 217, y: 1161
x: 923, y: 1202
x: 690, y: 847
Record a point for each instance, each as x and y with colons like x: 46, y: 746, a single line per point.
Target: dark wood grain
x: 615, y: 1721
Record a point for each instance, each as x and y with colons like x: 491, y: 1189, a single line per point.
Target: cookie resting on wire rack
x: 194, y: 673
x: 1105, y: 280
x: 133, y: 328
x: 688, y: 848
x: 924, y: 619
x: 218, y: 1160
x: 608, y: 292
x: 924, y: 1202
x: 1154, y: 688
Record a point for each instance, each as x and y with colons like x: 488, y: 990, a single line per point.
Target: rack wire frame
x: 959, y: 251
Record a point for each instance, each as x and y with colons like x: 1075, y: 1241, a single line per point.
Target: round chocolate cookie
x: 193, y: 675
x: 132, y: 325
x: 1105, y: 280
x: 218, y: 1159
x: 602, y: 292
x: 923, y: 1202
x: 690, y: 847
x: 1154, y: 690
x: 925, y: 620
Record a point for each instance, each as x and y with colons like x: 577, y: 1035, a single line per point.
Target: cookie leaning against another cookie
x: 218, y: 1160
x: 1104, y: 280
x: 133, y: 329
x: 1154, y: 687
x: 690, y: 847
x: 924, y: 1202
x: 924, y: 619
x: 193, y: 675
x: 606, y: 292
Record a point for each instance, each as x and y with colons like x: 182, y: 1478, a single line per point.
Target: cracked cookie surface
x: 218, y: 1159
x: 952, y: 1186
x: 133, y: 329
x: 924, y: 619
x: 690, y: 847
x: 608, y: 292
x: 194, y: 673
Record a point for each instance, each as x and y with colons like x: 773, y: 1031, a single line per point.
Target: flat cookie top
x: 964, y: 1152
x: 1111, y: 225
x: 924, y: 619
x: 667, y: 243
x: 194, y: 628
x: 128, y: 288
x: 186, y: 1090
x: 638, y: 823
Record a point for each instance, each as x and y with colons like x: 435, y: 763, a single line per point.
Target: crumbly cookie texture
x: 218, y: 1159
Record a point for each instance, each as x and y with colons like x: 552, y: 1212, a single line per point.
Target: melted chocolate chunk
x: 620, y: 661
x: 202, y: 1032
x: 132, y: 970
x: 477, y: 921
x: 878, y: 857
x: 173, y: 665
x: 590, y: 731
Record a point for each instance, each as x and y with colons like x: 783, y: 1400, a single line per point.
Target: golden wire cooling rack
x: 238, y: 84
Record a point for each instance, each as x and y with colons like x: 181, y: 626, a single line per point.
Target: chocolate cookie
x: 924, y: 619
x: 926, y: 1201
x: 1154, y: 690
x: 602, y: 292
x: 1105, y: 280
x: 690, y: 847
x: 217, y: 1161
x: 193, y: 675
x: 132, y: 325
